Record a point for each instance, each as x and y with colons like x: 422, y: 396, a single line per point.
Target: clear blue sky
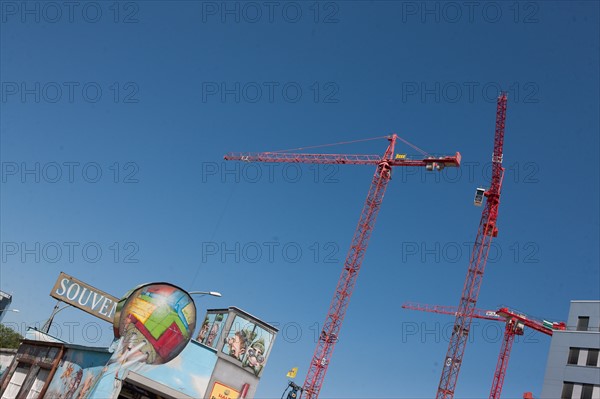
x: 161, y: 91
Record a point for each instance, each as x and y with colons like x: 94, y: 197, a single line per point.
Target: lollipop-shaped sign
x: 155, y: 321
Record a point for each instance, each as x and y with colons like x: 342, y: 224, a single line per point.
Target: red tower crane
x: 487, y: 230
x: 345, y: 286
x: 515, y: 322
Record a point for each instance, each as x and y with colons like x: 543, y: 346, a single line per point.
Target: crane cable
x: 356, y: 141
x: 332, y: 144
x: 414, y: 146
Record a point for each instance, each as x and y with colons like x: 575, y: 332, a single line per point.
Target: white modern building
x: 573, y: 368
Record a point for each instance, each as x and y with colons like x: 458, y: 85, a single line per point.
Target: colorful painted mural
x: 248, y: 343
x: 188, y: 373
x: 76, y: 373
x: 153, y: 324
x: 156, y: 321
x: 211, y: 329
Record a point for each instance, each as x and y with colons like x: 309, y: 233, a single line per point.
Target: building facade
x: 573, y: 367
x: 6, y: 358
x: 5, y: 300
x: 225, y: 361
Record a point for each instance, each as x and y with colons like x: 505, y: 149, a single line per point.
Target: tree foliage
x: 9, y: 338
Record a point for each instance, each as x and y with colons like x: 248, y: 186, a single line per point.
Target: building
x: 44, y: 362
x: 5, y: 300
x: 225, y: 361
x: 573, y: 367
x: 6, y: 358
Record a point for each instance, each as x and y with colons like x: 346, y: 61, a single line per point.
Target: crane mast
x: 512, y: 328
x: 339, y: 304
x: 345, y: 287
x: 486, y: 231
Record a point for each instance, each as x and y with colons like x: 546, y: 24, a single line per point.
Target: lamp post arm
x: 211, y: 293
x: 56, y: 309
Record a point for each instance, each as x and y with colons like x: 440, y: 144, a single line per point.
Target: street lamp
x: 5, y: 310
x: 211, y: 293
x: 56, y: 309
x: 201, y: 293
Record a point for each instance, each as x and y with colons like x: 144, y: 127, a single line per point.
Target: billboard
x: 85, y: 297
x: 222, y: 391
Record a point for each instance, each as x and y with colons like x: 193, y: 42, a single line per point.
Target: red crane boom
x: 543, y: 326
x: 515, y: 321
x: 452, y: 310
x: 345, y: 286
x: 354, y: 159
x: 514, y: 326
x: 487, y: 230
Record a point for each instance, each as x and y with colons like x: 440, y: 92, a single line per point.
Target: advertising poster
x: 221, y: 391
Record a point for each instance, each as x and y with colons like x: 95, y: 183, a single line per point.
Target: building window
x: 38, y: 384
x: 586, y: 391
x: 592, y: 357
x: 573, y: 356
x: 14, y: 386
x: 567, y: 392
x: 582, y: 323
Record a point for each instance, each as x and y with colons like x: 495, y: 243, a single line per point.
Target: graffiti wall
x: 76, y: 373
x: 6, y: 358
x: 153, y: 325
x: 189, y: 372
x: 160, y: 318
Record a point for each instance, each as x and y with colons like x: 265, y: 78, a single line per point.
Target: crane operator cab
x: 479, y: 196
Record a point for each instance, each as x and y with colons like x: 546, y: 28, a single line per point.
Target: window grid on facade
x: 592, y: 357
x: 573, y: 390
x: 583, y: 323
x: 586, y: 391
x: 14, y: 386
x: 567, y: 391
x: 573, y: 356
x: 588, y: 357
x: 38, y: 384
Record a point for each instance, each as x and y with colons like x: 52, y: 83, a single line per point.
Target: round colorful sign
x: 156, y: 321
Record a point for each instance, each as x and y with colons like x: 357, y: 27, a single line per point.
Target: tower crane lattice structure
x: 333, y: 322
x: 487, y: 230
x: 515, y: 322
